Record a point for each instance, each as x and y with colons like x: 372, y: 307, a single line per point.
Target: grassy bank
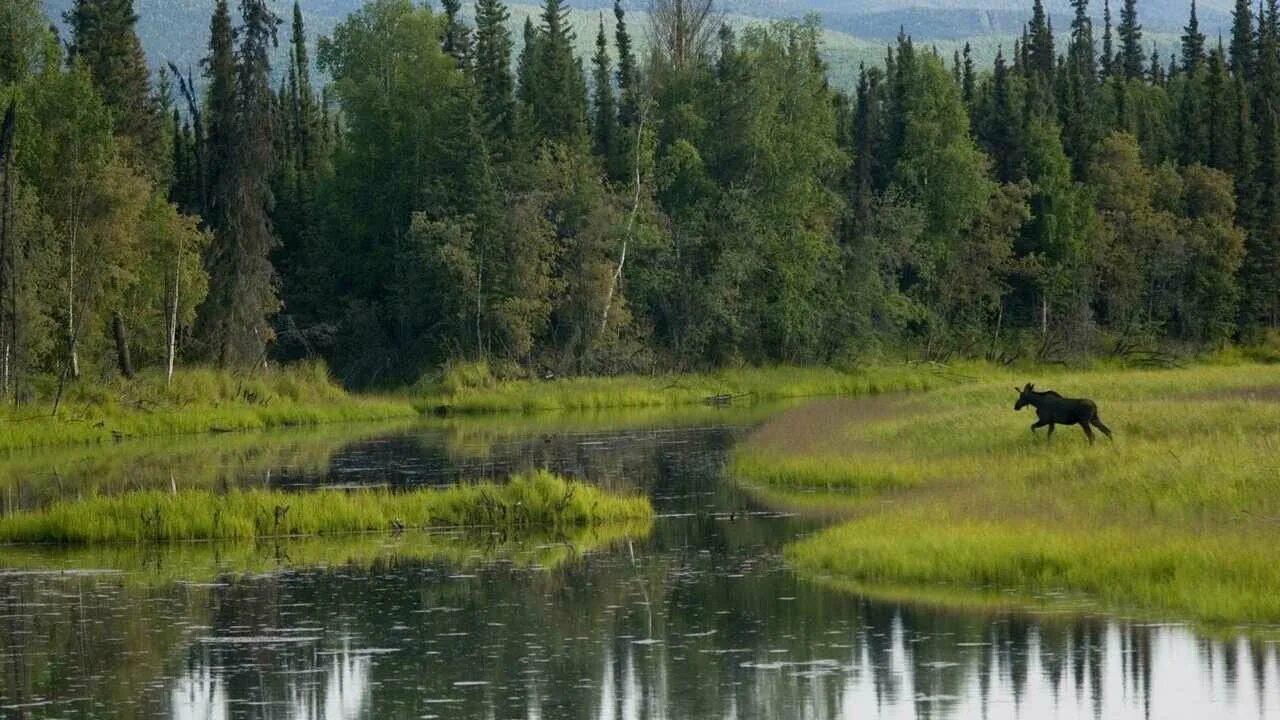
x: 475, y: 390
x: 536, y: 500
x: 197, y: 401
x: 951, y: 490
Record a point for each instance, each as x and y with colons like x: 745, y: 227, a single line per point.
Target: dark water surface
x: 700, y: 619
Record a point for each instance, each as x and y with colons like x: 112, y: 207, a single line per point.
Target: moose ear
x: 1017, y: 389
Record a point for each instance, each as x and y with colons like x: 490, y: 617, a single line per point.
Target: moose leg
x: 1038, y: 424
x: 1050, y: 435
x: 1096, y: 422
x: 1087, y: 431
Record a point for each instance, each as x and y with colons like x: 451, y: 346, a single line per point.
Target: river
x: 699, y: 619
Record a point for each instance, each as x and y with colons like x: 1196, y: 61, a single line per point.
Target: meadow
x: 536, y: 500
x: 472, y: 388
x: 949, y: 493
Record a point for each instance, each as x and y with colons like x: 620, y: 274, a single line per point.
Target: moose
x: 1053, y: 409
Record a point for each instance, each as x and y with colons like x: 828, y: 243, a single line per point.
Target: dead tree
x: 122, y: 346
x: 8, y: 361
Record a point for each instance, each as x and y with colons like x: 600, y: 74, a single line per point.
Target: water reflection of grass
x: 537, y: 500
x: 202, y: 562
x: 1180, y: 514
x: 35, y: 478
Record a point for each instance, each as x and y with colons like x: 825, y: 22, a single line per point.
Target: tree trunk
x: 6, y: 220
x: 631, y: 221
x: 122, y: 346
x: 171, y: 349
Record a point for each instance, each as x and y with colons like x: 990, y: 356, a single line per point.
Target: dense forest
x: 711, y: 200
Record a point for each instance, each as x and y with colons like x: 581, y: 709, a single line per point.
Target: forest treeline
x: 689, y: 196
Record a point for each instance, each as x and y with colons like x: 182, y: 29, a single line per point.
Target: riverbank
x: 535, y: 500
x: 198, y: 400
x: 949, y: 490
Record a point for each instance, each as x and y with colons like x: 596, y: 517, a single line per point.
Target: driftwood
x: 724, y: 398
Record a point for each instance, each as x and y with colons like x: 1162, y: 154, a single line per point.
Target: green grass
x: 474, y: 390
x: 158, y: 565
x: 199, y: 400
x: 535, y: 500
x: 1179, y: 515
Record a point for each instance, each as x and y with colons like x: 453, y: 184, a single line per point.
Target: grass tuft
x: 534, y: 500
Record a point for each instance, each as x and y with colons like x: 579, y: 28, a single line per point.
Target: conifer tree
x: 104, y: 39
x: 604, y: 126
x: 494, y: 83
x: 628, y: 77
x: 1108, y: 51
x: 1217, y: 112
x: 456, y: 39
x: 235, y: 317
x: 967, y: 77
x: 554, y: 90
x: 304, y: 110
x: 220, y: 77
x: 1041, y: 54
x: 1192, y: 43
x: 1242, y: 41
x: 1130, y: 32
x: 1080, y: 53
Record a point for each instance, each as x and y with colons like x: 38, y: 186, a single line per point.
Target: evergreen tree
x: 1080, y: 53
x: 1108, y: 51
x: 456, y: 38
x: 494, y: 83
x: 303, y: 108
x: 1041, y: 56
x: 604, y: 129
x: 1217, y: 112
x: 967, y: 77
x: 235, y: 317
x: 221, y: 102
x: 1192, y: 43
x: 1130, y: 32
x: 1262, y: 265
x: 628, y: 75
x: 998, y: 130
x: 1242, y: 41
x: 553, y: 90
x: 104, y: 39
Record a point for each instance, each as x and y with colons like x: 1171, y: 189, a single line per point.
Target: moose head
x: 1023, y: 399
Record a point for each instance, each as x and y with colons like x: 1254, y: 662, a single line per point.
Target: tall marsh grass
x: 1181, y: 513
x: 534, y: 500
x: 474, y: 391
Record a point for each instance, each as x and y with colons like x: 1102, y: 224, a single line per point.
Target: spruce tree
x: 456, y: 40
x: 1080, y: 53
x: 1108, y: 51
x: 1216, y: 113
x: 967, y: 77
x: 235, y: 317
x: 628, y: 76
x: 554, y: 90
x: 220, y: 103
x: 494, y: 83
x: 1242, y: 41
x: 1192, y: 43
x: 1130, y: 32
x: 604, y: 126
x: 103, y: 38
x: 304, y: 110
x: 1040, y: 54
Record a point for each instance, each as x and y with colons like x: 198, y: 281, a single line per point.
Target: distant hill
x: 177, y: 30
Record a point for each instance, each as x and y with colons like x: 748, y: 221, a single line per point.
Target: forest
x: 690, y: 196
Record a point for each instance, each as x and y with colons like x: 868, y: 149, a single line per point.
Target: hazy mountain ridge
x: 177, y: 30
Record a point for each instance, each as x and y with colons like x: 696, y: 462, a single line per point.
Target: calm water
x: 701, y: 619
